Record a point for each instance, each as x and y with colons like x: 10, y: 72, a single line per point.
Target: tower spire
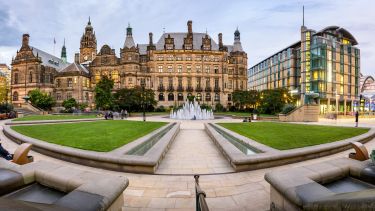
x: 63, y: 52
x: 303, y: 15
x: 89, y: 23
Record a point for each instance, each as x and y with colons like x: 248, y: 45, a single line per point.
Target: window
x: 47, y: 78
x: 15, y: 78
x: 179, y: 68
x: 199, y: 96
x: 161, y: 97
x: 207, y: 69
x: 129, y: 58
x: 170, y: 82
x: 170, y: 68
x: 217, y: 97
x: 58, y: 96
x: 208, y: 97
x: 179, y: 82
x: 198, y: 82
x: 188, y: 58
x: 30, y: 77
x: 216, y: 83
x: 170, y: 57
x: 188, y: 68
x: 15, y: 96
x: 216, y: 69
x: 58, y: 83
x: 86, y: 96
x: 160, y: 58
x: 207, y: 82
x: 229, y: 97
x: 160, y: 82
x: 68, y: 95
x: 180, y: 97
x: 170, y: 97
x: 70, y: 82
x: 198, y: 68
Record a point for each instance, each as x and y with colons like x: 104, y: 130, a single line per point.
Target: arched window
x: 217, y: 97
x: 180, y: 97
x: 208, y: 97
x: 15, y: 78
x: 199, y: 96
x: 30, y: 77
x: 170, y: 97
x: 161, y: 97
x: 15, y: 96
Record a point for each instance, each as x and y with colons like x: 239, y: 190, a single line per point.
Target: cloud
x: 266, y: 26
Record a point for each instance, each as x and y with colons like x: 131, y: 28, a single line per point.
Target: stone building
x: 178, y: 65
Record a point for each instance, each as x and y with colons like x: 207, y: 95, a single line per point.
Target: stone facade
x: 178, y: 65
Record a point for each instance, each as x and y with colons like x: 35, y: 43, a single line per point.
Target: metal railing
x: 200, y: 196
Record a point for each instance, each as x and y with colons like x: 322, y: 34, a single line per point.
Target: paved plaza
x: 193, y: 152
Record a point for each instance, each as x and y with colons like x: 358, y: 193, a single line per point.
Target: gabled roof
x: 49, y: 60
x: 74, y: 69
x: 179, y: 41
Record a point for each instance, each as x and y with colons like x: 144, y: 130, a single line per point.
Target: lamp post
x: 143, y: 98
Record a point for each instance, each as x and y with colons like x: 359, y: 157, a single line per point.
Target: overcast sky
x: 265, y: 26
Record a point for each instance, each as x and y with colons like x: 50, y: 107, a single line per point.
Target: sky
x: 266, y: 26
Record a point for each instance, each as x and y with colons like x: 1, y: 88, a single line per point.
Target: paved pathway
x: 235, y: 191
x: 193, y: 152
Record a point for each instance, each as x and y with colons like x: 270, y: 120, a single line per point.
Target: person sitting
x: 4, y: 153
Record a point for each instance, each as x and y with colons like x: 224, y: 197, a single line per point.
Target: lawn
x: 241, y: 114
x: 284, y: 136
x: 54, y: 117
x: 102, y: 136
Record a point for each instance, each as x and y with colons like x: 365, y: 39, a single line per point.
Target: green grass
x: 284, y: 136
x: 54, y: 117
x: 102, y: 136
x: 241, y: 114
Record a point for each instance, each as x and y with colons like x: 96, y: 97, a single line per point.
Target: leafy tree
x: 6, y: 107
x: 133, y: 99
x: 245, y: 98
x: 103, y: 93
x: 41, y: 99
x: 69, y: 104
x: 82, y: 106
x: 272, y: 101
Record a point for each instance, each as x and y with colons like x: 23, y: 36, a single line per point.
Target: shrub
x: 160, y: 109
x: 41, y: 100
x: 6, y: 107
x: 69, y: 104
x: 288, y: 108
x: 205, y: 106
x: 219, y: 107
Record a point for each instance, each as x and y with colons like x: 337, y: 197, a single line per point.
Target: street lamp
x: 143, y: 84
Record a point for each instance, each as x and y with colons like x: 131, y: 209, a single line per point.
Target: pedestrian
x: 356, y: 118
x: 122, y: 113
x: 4, y: 153
x: 126, y: 114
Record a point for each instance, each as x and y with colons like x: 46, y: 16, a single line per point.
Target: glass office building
x: 323, y: 68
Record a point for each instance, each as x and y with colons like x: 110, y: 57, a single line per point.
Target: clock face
x: 85, y: 58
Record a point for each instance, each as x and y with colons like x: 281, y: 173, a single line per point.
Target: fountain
x: 191, y: 111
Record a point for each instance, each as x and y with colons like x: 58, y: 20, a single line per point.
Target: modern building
x: 323, y: 67
x: 367, y: 93
x: 178, y: 65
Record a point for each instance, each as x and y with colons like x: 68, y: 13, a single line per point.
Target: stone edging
x: 52, y: 121
x: 270, y: 157
x: 115, y: 160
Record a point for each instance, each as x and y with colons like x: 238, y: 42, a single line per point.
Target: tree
x: 69, y: 104
x: 245, y: 98
x: 273, y: 101
x: 103, y: 93
x: 41, y: 99
x: 132, y: 99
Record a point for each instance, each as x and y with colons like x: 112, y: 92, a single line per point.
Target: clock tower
x: 88, y: 44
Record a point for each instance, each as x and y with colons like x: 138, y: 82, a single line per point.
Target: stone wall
x: 305, y: 113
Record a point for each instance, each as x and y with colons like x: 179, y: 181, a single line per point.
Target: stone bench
x: 331, y: 185
x: 75, y: 189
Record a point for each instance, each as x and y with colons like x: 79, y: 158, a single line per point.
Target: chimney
x: 150, y: 38
x: 190, y: 26
x: 25, y: 39
x: 220, y: 39
x: 76, y: 58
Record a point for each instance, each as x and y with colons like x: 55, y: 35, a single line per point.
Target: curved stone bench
x: 81, y: 190
x: 116, y: 160
x: 310, y: 187
x: 269, y: 157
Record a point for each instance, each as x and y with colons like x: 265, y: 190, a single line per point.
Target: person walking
x: 126, y: 114
x: 356, y: 118
x: 4, y: 153
x: 122, y: 113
